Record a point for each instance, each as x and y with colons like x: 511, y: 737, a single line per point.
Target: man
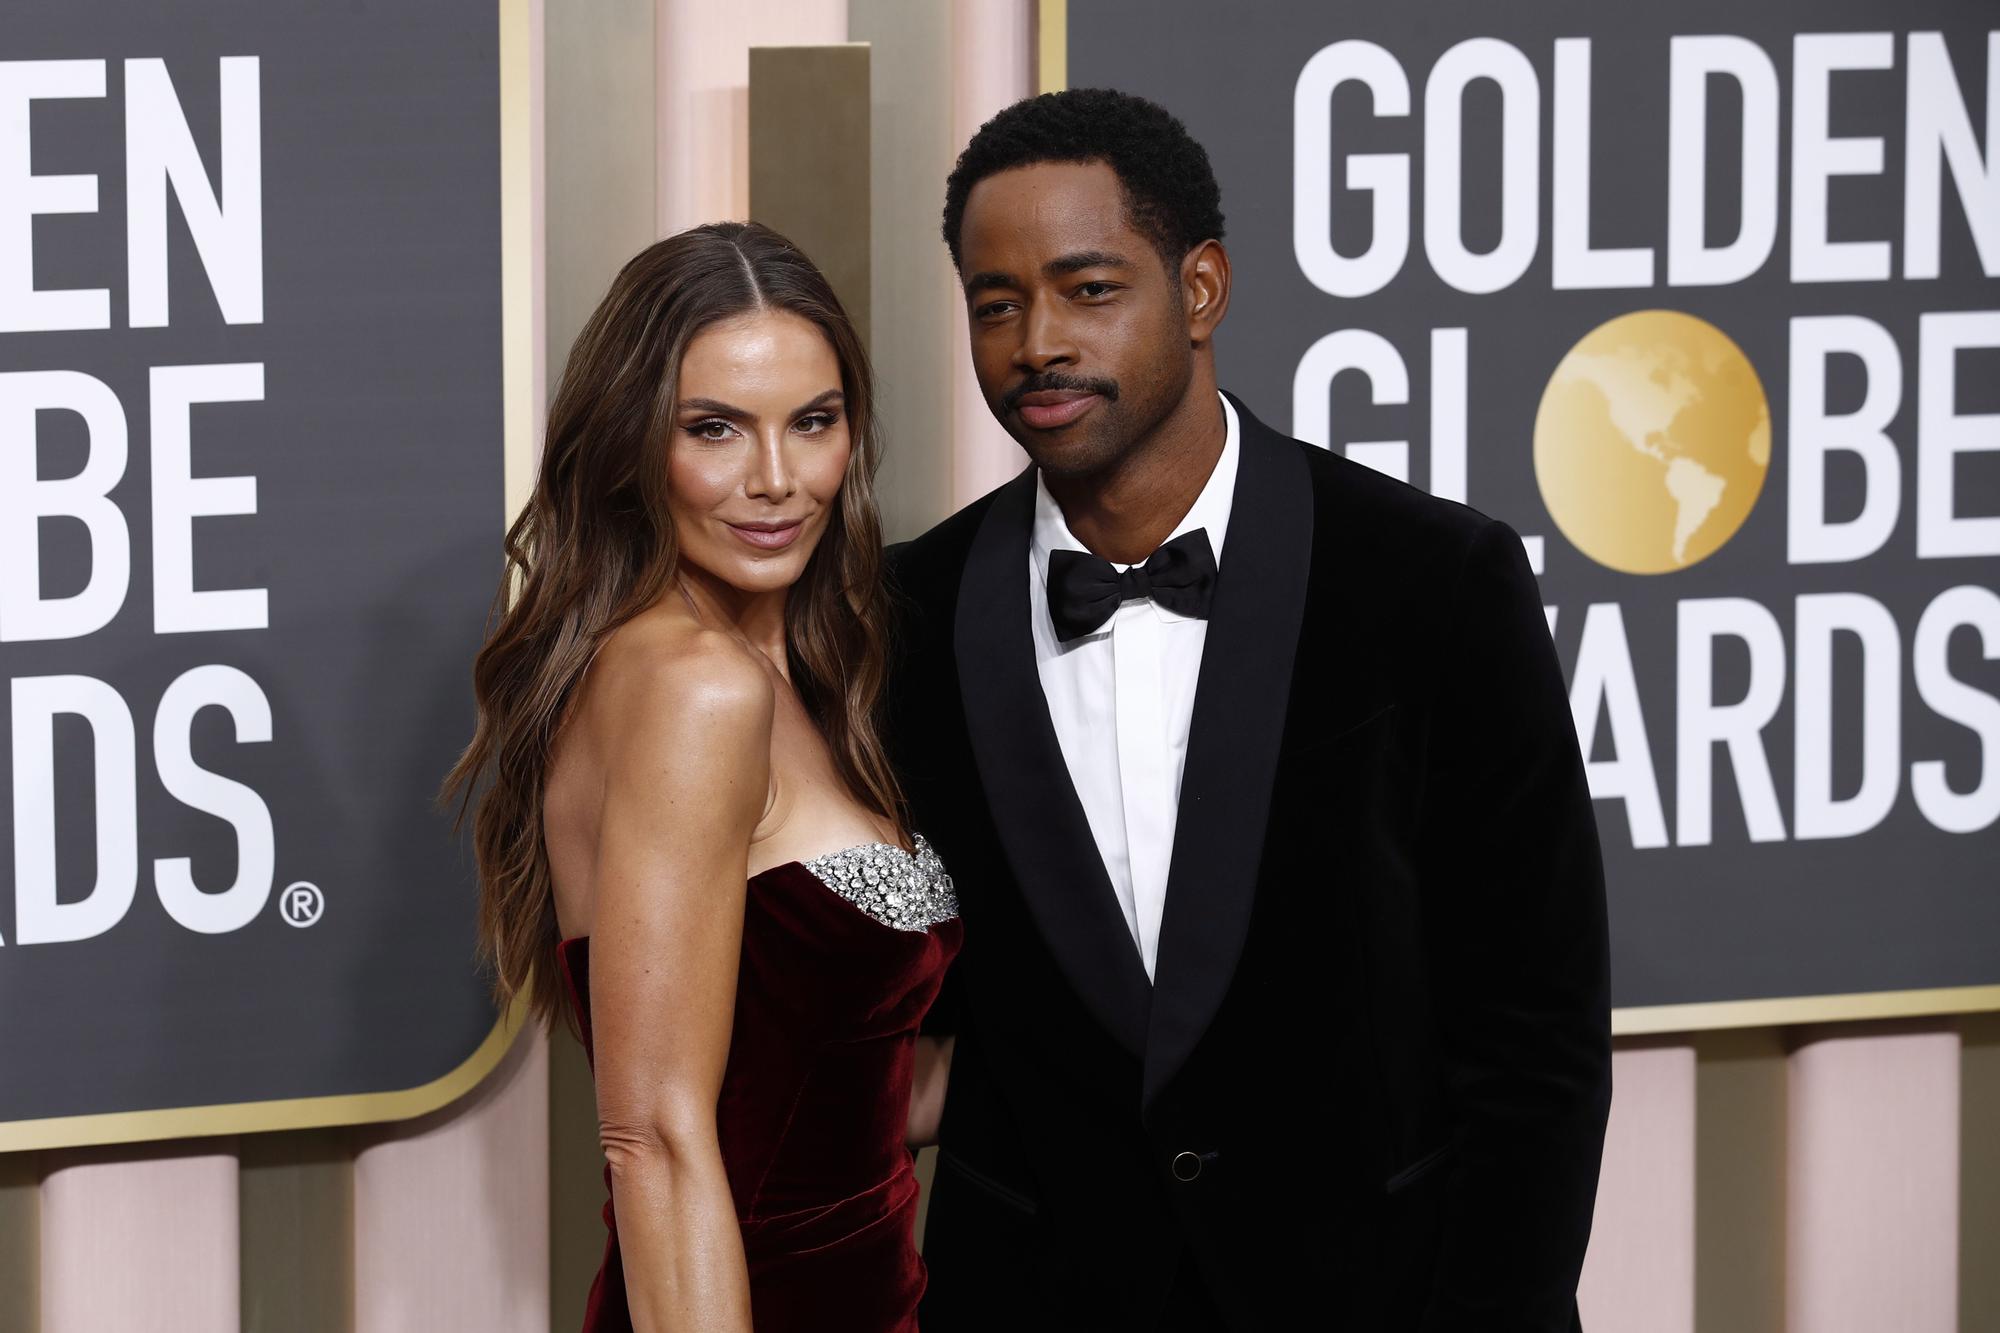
x: 1283, y: 1002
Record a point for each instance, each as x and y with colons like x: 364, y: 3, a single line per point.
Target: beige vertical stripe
x: 1872, y: 1182
x: 451, y: 1211
x: 909, y: 273
x: 1639, y: 1274
x: 1739, y: 1233
x: 295, y: 1194
x: 20, y: 1241
x: 140, y: 1239
x: 992, y: 66
x: 601, y: 149
x: 703, y: 114
x: 1979, y: 1174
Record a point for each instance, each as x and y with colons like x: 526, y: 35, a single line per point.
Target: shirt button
x: 1186, y: 1166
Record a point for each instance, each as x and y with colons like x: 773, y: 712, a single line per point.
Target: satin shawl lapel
x: 1233, y: 742
x: 1034, y: 805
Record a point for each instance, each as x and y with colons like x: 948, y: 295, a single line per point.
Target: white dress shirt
x: 1121, y: 700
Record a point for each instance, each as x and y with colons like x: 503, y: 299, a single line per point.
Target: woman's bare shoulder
x: 662, y: 679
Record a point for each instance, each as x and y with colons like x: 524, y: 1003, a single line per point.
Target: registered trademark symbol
x: 301, y: 904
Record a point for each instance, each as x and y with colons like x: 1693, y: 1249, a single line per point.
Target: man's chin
x: 1063, y: 453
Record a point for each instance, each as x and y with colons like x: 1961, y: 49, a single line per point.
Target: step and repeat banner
x: 250, y: 513
x: 1701, y: 299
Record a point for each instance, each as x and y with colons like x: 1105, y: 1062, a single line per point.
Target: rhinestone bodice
x: 903, y: 890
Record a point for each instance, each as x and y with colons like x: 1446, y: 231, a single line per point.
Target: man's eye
x: 1094, y: 289
x: 992, y: 308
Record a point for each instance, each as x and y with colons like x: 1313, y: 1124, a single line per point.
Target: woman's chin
x: 753, y: 574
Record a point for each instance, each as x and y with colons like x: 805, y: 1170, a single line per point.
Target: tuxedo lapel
x: 1028, y: 789
x: 1234, y: 737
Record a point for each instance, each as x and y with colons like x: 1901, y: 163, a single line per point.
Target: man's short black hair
x: 1170, y: 190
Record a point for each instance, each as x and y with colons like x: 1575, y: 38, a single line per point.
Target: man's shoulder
x: 1365, y: 519
x: 928, y: 567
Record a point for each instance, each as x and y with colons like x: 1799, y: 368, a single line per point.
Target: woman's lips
x: 1055, y: 410
x: 769, y: 536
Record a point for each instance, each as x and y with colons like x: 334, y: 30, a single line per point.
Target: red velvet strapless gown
x: 841, y: 958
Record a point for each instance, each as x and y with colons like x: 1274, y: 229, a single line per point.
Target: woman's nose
x: 771, y: 476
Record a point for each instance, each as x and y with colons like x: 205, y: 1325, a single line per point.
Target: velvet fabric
x: 1367, y: 1089
x: 813, y: 1109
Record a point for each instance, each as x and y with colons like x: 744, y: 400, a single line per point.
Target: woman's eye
x: 713, y: 430
x: 816, y: 424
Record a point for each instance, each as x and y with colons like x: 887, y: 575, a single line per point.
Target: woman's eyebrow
x: 715, y: 405
x: 722, y: 409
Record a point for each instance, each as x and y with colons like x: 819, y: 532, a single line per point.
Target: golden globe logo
x: 1652, y: 442
x: 1654, y: 434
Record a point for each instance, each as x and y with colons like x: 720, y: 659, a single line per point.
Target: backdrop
x: 250, y: 492
x: 1702, y: 301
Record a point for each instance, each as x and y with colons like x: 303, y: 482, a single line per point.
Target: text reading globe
x: 1652, y: 442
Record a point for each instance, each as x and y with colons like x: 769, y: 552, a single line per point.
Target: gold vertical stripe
x: 576, y: 1182
x: 911, y: 287
x: 809, y: 159
x: 1739, y: 1198
x: 1979, y: 1173
x: 20, y: 1241
x: 295, y: 1199
x: 1052, y: 46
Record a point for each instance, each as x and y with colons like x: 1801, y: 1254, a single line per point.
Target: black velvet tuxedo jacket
x: 1378, y: 1040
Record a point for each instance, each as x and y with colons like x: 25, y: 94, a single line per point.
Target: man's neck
x: 1126, y: 511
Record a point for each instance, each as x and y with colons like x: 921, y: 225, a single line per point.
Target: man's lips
x: 770, y: 534
x: 1047, y: 409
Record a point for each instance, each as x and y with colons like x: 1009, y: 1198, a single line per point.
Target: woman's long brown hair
x: 595, y: 546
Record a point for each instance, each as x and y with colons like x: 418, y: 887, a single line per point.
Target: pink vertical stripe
x: 451, y: 1211
x: 1872, y: 1184
x: 141, y: 1244
x: 1639, y: 1274
x: 992, y: 65
x: 703, y: 96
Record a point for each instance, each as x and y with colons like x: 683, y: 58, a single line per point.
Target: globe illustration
x: 1652, y: 442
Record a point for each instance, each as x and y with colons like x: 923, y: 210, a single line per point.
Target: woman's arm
x: 927, y: 1087
x: 686, y: 783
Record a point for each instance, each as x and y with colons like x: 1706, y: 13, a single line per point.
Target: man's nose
x: 1045, y: 339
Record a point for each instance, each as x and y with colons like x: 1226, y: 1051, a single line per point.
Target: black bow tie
x: 1085, y: 590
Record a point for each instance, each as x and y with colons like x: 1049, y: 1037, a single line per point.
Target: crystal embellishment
x: 903, y: 891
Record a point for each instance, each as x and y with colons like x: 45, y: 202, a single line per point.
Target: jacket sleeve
x: 1513, y: 901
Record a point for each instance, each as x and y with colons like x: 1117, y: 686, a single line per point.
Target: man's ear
x: 1205, y: 290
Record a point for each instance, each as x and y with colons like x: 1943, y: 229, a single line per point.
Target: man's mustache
x: 1052, y: 382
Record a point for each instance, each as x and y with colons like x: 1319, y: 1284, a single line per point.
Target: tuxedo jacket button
x: 1186, y: 1166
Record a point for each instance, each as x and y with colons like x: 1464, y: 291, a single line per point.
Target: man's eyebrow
x: 980, y: 281
x: 1055, y: 268
x: 1083, y: 259
x: 722, y: 409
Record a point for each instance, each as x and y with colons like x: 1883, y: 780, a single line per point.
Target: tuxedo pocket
x: 1345, y: 733
x: 1420, y: 1169
x: 985, y: 1183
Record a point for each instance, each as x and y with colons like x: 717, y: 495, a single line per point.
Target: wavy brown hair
x: 595, y: 546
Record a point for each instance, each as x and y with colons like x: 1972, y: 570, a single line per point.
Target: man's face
x: 1079, y: 335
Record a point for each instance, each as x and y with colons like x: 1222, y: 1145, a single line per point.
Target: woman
x: 691, y: 838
